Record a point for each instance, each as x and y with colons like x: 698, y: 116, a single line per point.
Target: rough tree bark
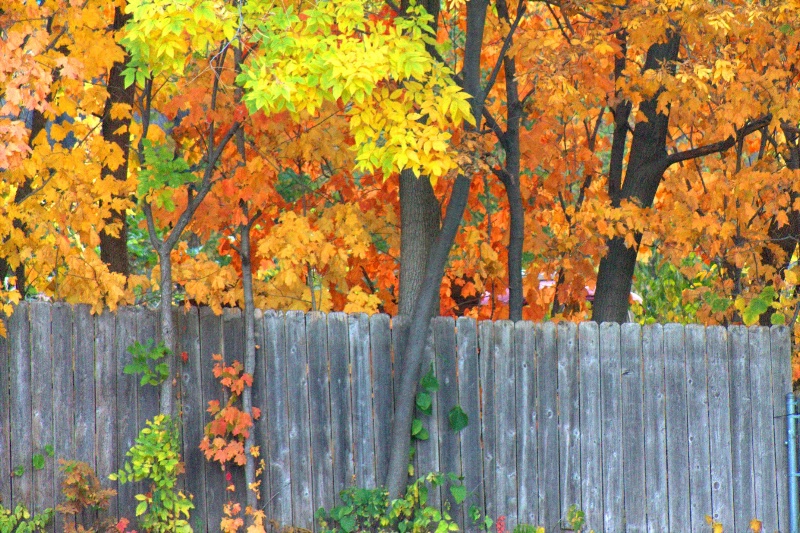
x: 114, y: 248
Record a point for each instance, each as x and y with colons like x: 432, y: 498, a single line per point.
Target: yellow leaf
x: 755, y: 525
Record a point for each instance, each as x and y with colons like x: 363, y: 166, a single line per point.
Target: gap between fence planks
x: 649, y: 427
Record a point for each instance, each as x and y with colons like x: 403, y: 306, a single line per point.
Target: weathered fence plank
x: 591, y: 426
x: 548, y: 418
x: 320, y: 413
x: 765, y: 491
x: 610, y: 398
x: 85, y: 426
x: 106, y: 390
x: 127, y: 385
x: 469, y: 394
x: 427, y: 456
x: 719, y: 426
x: 261, y: 381
x: 149, y: 397
x: 380, y: 335
x: 299, y: 435
x: 566, y: 444
x: 363, y: 428
x: 210, y: 344
x: 487, y: 384
x: 632, y: 384
x: 233, y: 350
x: 21, y: 437
x: 449, y: 441
x: 341, y: 407
x: 41, y: 428
x: 505, y: 421
x: 698, y: 437
x: 677, y: 428
x: 655, y: 424
x: 744, y: 506
x: 781, y: 356
x: 5, y: 423
x: 526, y: 419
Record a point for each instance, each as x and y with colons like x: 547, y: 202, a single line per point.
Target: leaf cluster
x: 146, y: 359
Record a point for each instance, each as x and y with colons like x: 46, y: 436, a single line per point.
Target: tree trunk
x: 419, y: 224
x: 646, y: 166
x: 249, y: 357
x: 114, y: 248
x: 167, y: 405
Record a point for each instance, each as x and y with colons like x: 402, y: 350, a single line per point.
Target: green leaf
x: 141, y: 508
x: 458, y: 418
x: 19, y: 471
x: 416, y: 427
x: 459, y: 493
x: 38, y: 461
x: 429, y: 382
x: 348, y: 523
x: 778, y: 319
x: 424, y: 402
x: 49, y: 450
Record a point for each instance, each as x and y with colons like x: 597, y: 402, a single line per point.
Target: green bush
x: 20, y: 520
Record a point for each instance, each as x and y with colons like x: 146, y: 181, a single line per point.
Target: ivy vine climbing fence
x: 648, y: 428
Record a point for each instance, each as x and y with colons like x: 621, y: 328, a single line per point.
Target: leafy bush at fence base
x: 365, y: 510
x: 20, y: 520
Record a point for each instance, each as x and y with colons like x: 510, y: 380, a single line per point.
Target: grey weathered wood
x: 564, y: 349
x: 341, y: 407
x: 505, y: 421
x: 149, y: 396
x: 526, y: 419
x: 719, y: 426
x: 677, y: 428
x: 261, y: 382
x: 63, y: 387
x: 547, y: 417
x: 84, y: 332
x: 610, y: 398
x: 21, y: 437
x: 591, y: 426
x: 697, y: 409
x: 193, y: 406
x: 363, y: 427
x: 127, y: 385
x: 744, y: 506
x: 210, y: 344
x: 279, y: 496
x: 469, y: 394
x: 233, y: 350
x: 427, y: 451
x: 42, y: 404
x: 449, y: 441
x: 299, y: 435
x: 488, y: 409
x: 632, y: 435
x: 380, y: 338
x: 106, y: 397
x: 764, y: 473
x: 5, y: 420
x: 319, y: 398
x: 781, y: 355
x: 655, y: 423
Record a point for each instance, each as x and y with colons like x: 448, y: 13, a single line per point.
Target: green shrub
x: 20, y: 520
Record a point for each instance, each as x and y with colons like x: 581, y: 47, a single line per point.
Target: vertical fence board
x: 63, y: 387
x: 698, y: 437
x: 193, y: 405
x: 299, y: 436
x: 42, y: 405
x: 427, y: 455
x: 233, y: 350
x: 527, y: 457
x: 548, y: 419
x: 610, y: 398
x: 210, y: 344
x: 569, y: 419
x: 631, y: 382
x: 677, y: 428
x: 488, y: 410
x: 363, y: 428
x: 341, y: 407
x: 719, y: 426
x: 127, y: 384
x: 591, y: 426
x: 380, y: 338
x: 319, y: 399
x: 764, y: 472
x: 84, y: 332
x: 781, y: 355
x: 261, y: 382
x: 744, y: 507
x: 106, y: 391
x: 149, y: 396
x: 5, y: 420
x: 449, y: 442
x: 469, y: 393
x: 21, y: 438
x: 655, y: 423
x: 505, y: 421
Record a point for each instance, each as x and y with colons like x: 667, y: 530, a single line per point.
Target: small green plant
x: 39, y: 458
x: 576, y: 518
x: 369, y: 510
x: 155, y: 456
x: 146, y: 359
x: 527, y: 528
x: 483, y: 522
x: 20, y: 520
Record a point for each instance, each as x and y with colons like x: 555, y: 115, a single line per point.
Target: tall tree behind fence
x: 643, y: 428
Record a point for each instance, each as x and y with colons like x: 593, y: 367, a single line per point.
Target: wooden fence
x: 644, y: 428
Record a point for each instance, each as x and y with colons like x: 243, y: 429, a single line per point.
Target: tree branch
x: 720, y: 146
